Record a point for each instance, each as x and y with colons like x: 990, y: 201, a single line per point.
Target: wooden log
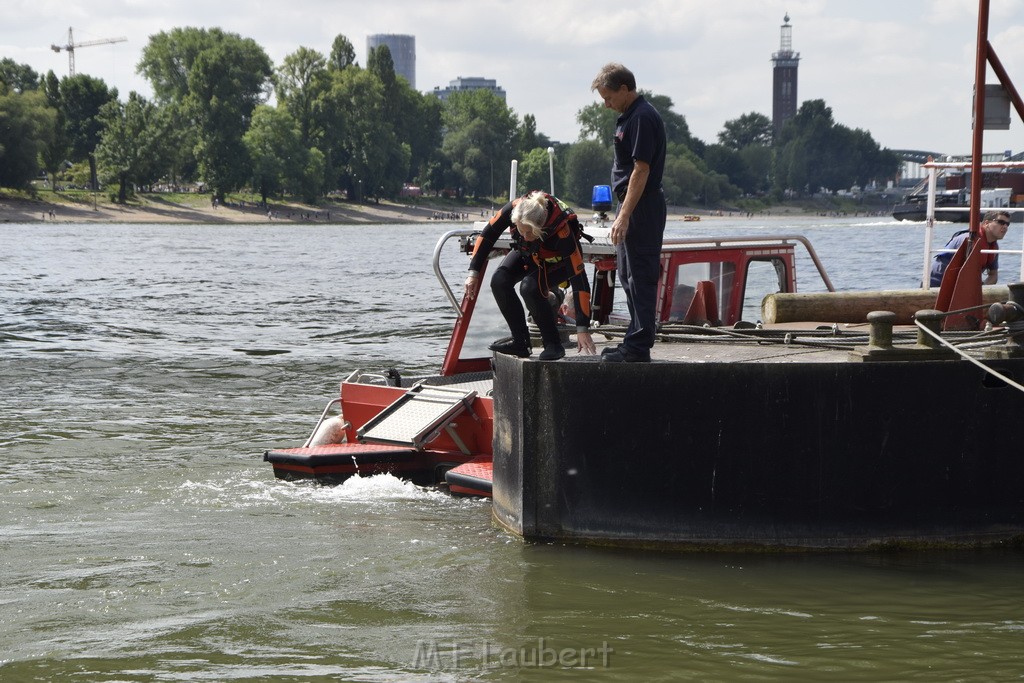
x: 853, y: 307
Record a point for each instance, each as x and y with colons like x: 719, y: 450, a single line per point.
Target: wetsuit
x: 539, y: 266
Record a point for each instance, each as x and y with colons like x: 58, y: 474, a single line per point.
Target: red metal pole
x: 977, y: 147
x: 961, y: 283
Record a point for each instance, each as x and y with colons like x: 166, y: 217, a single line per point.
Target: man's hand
x: 472, y: 285
x: 585, y: 344
x: 619, y: 228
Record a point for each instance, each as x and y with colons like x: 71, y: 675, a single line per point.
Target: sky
x: 903, y: 70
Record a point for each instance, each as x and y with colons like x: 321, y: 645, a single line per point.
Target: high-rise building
x: 784, y: 79
x: 461, y: 84
x: 403, y: 53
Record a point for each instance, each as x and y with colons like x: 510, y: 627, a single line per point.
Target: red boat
x: 738, y: 434
x: 439, y: 429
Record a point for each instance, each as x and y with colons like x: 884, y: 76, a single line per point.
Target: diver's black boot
x: 552, y: 352
x: 512, y: 347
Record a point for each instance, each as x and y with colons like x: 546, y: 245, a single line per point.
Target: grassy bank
x: 83, y: 205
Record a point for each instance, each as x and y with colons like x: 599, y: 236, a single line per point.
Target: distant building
x: 403, y: 53
x: 461, y: 84
x: 784, y: 79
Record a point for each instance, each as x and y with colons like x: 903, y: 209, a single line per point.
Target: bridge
x: 912, y: 170
x: 916, y: 156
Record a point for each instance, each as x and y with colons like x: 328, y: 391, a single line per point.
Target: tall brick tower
x: 784, y: 79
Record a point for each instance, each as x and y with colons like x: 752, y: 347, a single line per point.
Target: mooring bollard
x: 931, y: 319
x: 880, y: 334
x: 1011, y: 314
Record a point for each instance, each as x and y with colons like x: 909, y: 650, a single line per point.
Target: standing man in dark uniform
x: 640, y: 222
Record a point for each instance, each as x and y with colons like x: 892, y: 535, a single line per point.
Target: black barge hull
x: 822, y: 454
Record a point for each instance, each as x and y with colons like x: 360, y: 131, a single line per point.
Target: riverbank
x: 155, y: 208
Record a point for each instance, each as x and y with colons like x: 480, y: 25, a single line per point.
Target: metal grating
x: 417, y: 417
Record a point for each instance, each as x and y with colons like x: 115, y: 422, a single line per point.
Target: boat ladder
x: 419, y: 416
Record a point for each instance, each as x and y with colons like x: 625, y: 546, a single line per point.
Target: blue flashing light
x: 601, y: 199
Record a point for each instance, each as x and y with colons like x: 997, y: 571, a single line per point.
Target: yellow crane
x: 71, y: 45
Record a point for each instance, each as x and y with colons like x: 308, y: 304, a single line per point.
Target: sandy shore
x: 155, y: 209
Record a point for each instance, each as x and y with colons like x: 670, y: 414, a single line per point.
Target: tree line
x: 225, y: 118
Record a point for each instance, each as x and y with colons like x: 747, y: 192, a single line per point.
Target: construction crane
x: 71, y: 45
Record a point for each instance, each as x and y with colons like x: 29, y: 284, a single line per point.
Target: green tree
x: 168, y: 57
x: 815, y: 152
x: 401, y: 107
x: 312, y: 180
x: 130, y: 147
x: 717, y: 188
x: 226, y: 83
x: 729, y: 163
x: 804, y: 151
x: 217, y: 79
x: 479, y: 135
x: 381, y: 64
x: 26, y: 123
x: 684, y: 176
x: 16, y: 77
x: 528, y: 138
x: 330, y: 112
x: 758, y: 162
x: 420, y: 128
x: 181, y: 165
x: 343, y: 55
x: 872, y: 162
x: 588, y: 163
x: 376, y: 132
x: 165, y: 142
x: 749, y: 129
x: 55, y: 151
x: 534, y: 172
x: 749, y: 137
x: 82, y: 97
x: 274, y: 144
x: 360, y: 146
x: 597, y: 122
x: 676, y: 129
x: 299, y: 81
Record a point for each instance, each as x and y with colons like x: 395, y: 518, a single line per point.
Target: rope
x: 822, y: 339
x: 966, y: 356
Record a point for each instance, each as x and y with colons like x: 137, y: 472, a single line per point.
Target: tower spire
x: 784, y: 74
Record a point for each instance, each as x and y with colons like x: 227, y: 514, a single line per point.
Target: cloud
x: 903, y: 70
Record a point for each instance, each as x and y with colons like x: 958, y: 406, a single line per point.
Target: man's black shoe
x: 624, y: 356
x: 552, y: 352
x: 611, y: 349
x: 512, y: 348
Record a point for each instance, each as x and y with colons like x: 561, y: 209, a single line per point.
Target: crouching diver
x: 546, y: 234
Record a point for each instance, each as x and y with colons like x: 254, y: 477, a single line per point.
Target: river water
x: 145, y: 368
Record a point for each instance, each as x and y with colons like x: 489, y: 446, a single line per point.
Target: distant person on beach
x: 993, y: 228
x: 546, y: 235
x: 639, y: 160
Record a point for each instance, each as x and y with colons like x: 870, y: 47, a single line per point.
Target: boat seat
x: 682, y: 295
x: 704, y: 307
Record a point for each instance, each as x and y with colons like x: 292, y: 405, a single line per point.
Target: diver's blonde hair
x: 530, y: 213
